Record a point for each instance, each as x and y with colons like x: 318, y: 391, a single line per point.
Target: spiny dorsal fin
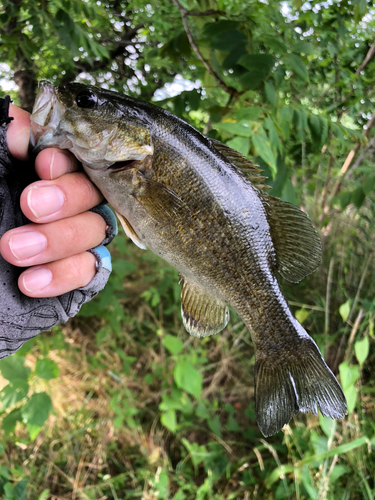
x: 250, y: 171
x: 202, y: 314
x: 297, y: 244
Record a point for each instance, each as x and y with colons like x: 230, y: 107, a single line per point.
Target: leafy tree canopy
x: 282, y: 81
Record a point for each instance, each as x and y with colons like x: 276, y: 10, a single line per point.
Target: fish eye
x: 86, y: 99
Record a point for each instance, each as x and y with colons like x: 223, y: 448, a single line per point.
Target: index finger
x: 52, y: 163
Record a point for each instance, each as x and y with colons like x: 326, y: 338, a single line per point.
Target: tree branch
x: 370, y: 54
x: 184, y: 13
x: 350, y: 158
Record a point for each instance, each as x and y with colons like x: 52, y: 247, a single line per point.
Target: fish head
x: 89, y: 122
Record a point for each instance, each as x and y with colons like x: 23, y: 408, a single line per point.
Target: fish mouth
x: 45, y: 117
x: 124, y: 165
x: 143, y: 165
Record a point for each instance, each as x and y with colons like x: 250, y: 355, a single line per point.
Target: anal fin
x: 129, y: 231
x: 202, y: 314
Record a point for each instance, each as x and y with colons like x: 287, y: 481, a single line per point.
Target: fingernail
x: 26, y: 245
x: 60, y: 164
x: 36, y: 279
x: 45, y: 200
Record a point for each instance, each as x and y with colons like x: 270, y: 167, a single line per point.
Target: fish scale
x: 204, y: 208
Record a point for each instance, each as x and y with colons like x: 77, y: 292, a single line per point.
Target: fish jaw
x: 47, y: 113
x: 98, y: 142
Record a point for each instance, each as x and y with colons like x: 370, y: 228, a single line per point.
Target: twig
x: 370, y: 54
x: 328, y: 301
x: 365, y: 152
x: 184, y: 13
x: 352, y: 335
x: 350, y: 158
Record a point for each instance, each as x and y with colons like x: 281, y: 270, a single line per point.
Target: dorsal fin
x: 250, y: 171
x: 296, y: 242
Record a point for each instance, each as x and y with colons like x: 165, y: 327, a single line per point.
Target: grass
x: 140, y: 410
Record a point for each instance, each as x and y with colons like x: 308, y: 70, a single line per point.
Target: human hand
x: 54, y: 247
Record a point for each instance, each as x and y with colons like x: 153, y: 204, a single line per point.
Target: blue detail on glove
x: 105, y: 257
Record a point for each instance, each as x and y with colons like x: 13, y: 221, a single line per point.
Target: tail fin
x: 300, y: 381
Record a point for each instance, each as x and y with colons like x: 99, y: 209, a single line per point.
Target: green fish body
x: 203, y: 208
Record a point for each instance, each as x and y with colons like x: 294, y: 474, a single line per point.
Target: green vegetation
x: 121, y: 403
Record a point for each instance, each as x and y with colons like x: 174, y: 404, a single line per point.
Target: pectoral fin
x: 129, y: 231
x: 297, y: 244
x: 202, y: 314
x: 160, y: 201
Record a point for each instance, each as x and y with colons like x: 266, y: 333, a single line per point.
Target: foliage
x: 121, y: 403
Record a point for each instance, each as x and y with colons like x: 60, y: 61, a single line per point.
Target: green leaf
x: 270, y: 93
x: 46, y: 369
x: 44, y: 495
x: 259, y: 66
x: 263, y: 149
x: 216, y: 28
x: 188, y: 378
x: 215, y: 425
x: 303, y: 48
x: 357, y: 197
x: 275, y: 44
x: 13, y: 368
x: 201, y: 411
x: 344, y: 310
x: 368, y: 184
x: 286, y: 116
x: 362, y: 348
x: 228, y: 41
x: 13, y: 393
x: 273, y: 135
x: 246, y: 114
x: 314, y: 123
x: 296, y: 64
x: 351, y: 398
x: 240, y: 144
x: 348, y: 375
x: 328, y: 425
x: 301, y: 315
x: 168, y: 419
x: 236, y: 128
x: 37, y: 409
x: 173, y: 344
x: 33, y: 430
x: 234, y: 55
x: 9, y: 422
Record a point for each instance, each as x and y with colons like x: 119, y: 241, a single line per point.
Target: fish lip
x: 45, y: 117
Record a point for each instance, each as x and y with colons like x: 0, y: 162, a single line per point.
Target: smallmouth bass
x: 203, y: 208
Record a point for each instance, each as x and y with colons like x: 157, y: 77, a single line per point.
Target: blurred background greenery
x: 120, y: 403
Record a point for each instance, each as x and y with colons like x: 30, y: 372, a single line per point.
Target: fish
x: 204, y: 208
